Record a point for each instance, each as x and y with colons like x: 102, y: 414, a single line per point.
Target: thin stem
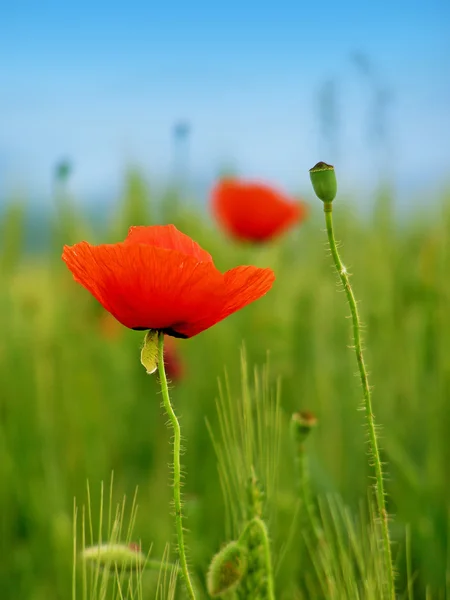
x: 176, y: 467
x: 373, y: 440
x: 267, y: 556
x: 158, y: 565
x: 304, y: 488
x: 267, y: 553
x: 246, y: 531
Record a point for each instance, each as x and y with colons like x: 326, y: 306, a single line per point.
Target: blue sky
x: 104, y: 82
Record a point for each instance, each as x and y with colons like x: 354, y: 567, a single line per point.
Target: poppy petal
x: 168, y: 237
x: 253, y: 211
x: 241, y: 286
x: 143, y: 286
x: 244, y: 285
x: 172, y: 359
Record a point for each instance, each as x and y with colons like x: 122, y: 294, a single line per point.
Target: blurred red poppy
x: 160, y: 279
x: 172, y: 359
x: 253, y: 211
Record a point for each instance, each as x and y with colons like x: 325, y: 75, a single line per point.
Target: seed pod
x: 323, y: 179
x: 301, y: 425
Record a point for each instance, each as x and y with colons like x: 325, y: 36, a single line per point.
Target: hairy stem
x: 267, y: 556
x: 263, y: 540
x: 176, y: 468
x: 373, y: 440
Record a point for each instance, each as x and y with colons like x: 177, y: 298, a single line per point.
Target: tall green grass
x: 75, y: 405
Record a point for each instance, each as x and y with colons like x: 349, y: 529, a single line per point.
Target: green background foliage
x: 76, y: 404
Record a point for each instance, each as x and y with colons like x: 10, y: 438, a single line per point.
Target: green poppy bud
x: 127, y: 557
x: 227, y: 569
x: 63, y: 170
x: 323, y: 179
x: 301, y: 425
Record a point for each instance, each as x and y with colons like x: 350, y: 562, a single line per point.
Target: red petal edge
x: 168, y: 237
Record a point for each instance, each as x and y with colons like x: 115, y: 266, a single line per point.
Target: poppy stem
x: 176, y: 467
x: 370, y: 419
x: 258, y: 523
x: 309, y: 516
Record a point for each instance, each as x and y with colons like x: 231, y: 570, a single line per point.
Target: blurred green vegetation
x: 75, y: 403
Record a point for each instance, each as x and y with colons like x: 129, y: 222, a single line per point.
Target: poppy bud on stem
x: 126, y: 557
x: 227, y: 569
x: 176, y: 467
x: 323, y: 179
x: 113, y: 555
x: 302, y: 423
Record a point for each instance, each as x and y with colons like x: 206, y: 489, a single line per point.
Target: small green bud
x: 126, y: 557
x: 63, y: 170
x: 301, y: 425
x: 323, y: 179
x: 227, y: 569
x: 149, y: 351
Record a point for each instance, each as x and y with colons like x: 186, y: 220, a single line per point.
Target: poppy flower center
x: 166, y: 331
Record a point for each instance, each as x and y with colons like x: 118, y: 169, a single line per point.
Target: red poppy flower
x: 159, y: 278
x: 253, y: 211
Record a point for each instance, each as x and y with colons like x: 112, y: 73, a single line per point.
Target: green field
x: 76, y: 405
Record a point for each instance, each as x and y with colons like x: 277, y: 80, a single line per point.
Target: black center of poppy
x: 173, y: 333
x: 167, y: 331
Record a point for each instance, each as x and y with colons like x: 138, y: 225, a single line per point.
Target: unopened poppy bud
x: 323, y: 179
x: 301, y: 425
x: 63, y: 170
x: 126, y: 557
x: 227, y: 569
x: 149, y: 351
